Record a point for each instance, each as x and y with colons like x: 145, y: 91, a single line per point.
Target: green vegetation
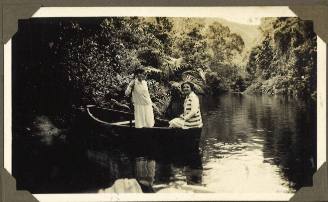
x: 284, y: 63
x: 70, y: 62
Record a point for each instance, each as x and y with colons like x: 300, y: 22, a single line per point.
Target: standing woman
x: 191, y: 117
x: 143, y: 109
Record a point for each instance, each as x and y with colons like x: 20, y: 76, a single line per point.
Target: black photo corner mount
x: 12, y: 11
x: 319, y: 189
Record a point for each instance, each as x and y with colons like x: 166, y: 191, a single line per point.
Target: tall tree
x: 285, y: 61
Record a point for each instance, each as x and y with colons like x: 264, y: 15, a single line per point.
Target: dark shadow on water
x: 282, y: 131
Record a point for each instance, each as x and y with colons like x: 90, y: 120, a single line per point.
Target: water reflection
x: 182, y: 172
x: 258, y: 144
x: 249, y: 144
x: 145, y: 173
x: 153, y: 175
x: 194, y: 169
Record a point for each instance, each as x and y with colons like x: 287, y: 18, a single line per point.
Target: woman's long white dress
x: 143, y: 109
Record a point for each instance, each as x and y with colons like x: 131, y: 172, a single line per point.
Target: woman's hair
x: 189, y: 83
x: 139, y: 71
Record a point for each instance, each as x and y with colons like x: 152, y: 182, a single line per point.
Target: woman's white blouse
x: 140, y: 93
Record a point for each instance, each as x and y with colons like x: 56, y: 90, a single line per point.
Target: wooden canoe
x: 109, y: 123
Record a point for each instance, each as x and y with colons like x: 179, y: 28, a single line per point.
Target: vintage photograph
x: 164, y: 105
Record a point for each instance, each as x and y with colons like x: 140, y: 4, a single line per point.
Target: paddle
x: 131, y: 105
x: 131, y: 111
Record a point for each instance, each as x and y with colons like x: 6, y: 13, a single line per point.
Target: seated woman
x: 191, y: 117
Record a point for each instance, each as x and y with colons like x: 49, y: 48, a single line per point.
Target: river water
x: 249, y: 144
x: 258, y: 144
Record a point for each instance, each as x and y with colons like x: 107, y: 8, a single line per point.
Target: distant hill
x: 249, y: 33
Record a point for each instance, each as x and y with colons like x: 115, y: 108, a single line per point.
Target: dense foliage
x: 70, y: 62
x: 285, y: 61
x: 100, y: 65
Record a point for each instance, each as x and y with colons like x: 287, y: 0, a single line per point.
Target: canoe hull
x: 156, y: 139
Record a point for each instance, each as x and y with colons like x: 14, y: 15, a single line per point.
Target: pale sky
x: 243, y: 15
x: 244, y: 20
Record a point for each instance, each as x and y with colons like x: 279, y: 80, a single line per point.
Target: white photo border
x: 217, y: 12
